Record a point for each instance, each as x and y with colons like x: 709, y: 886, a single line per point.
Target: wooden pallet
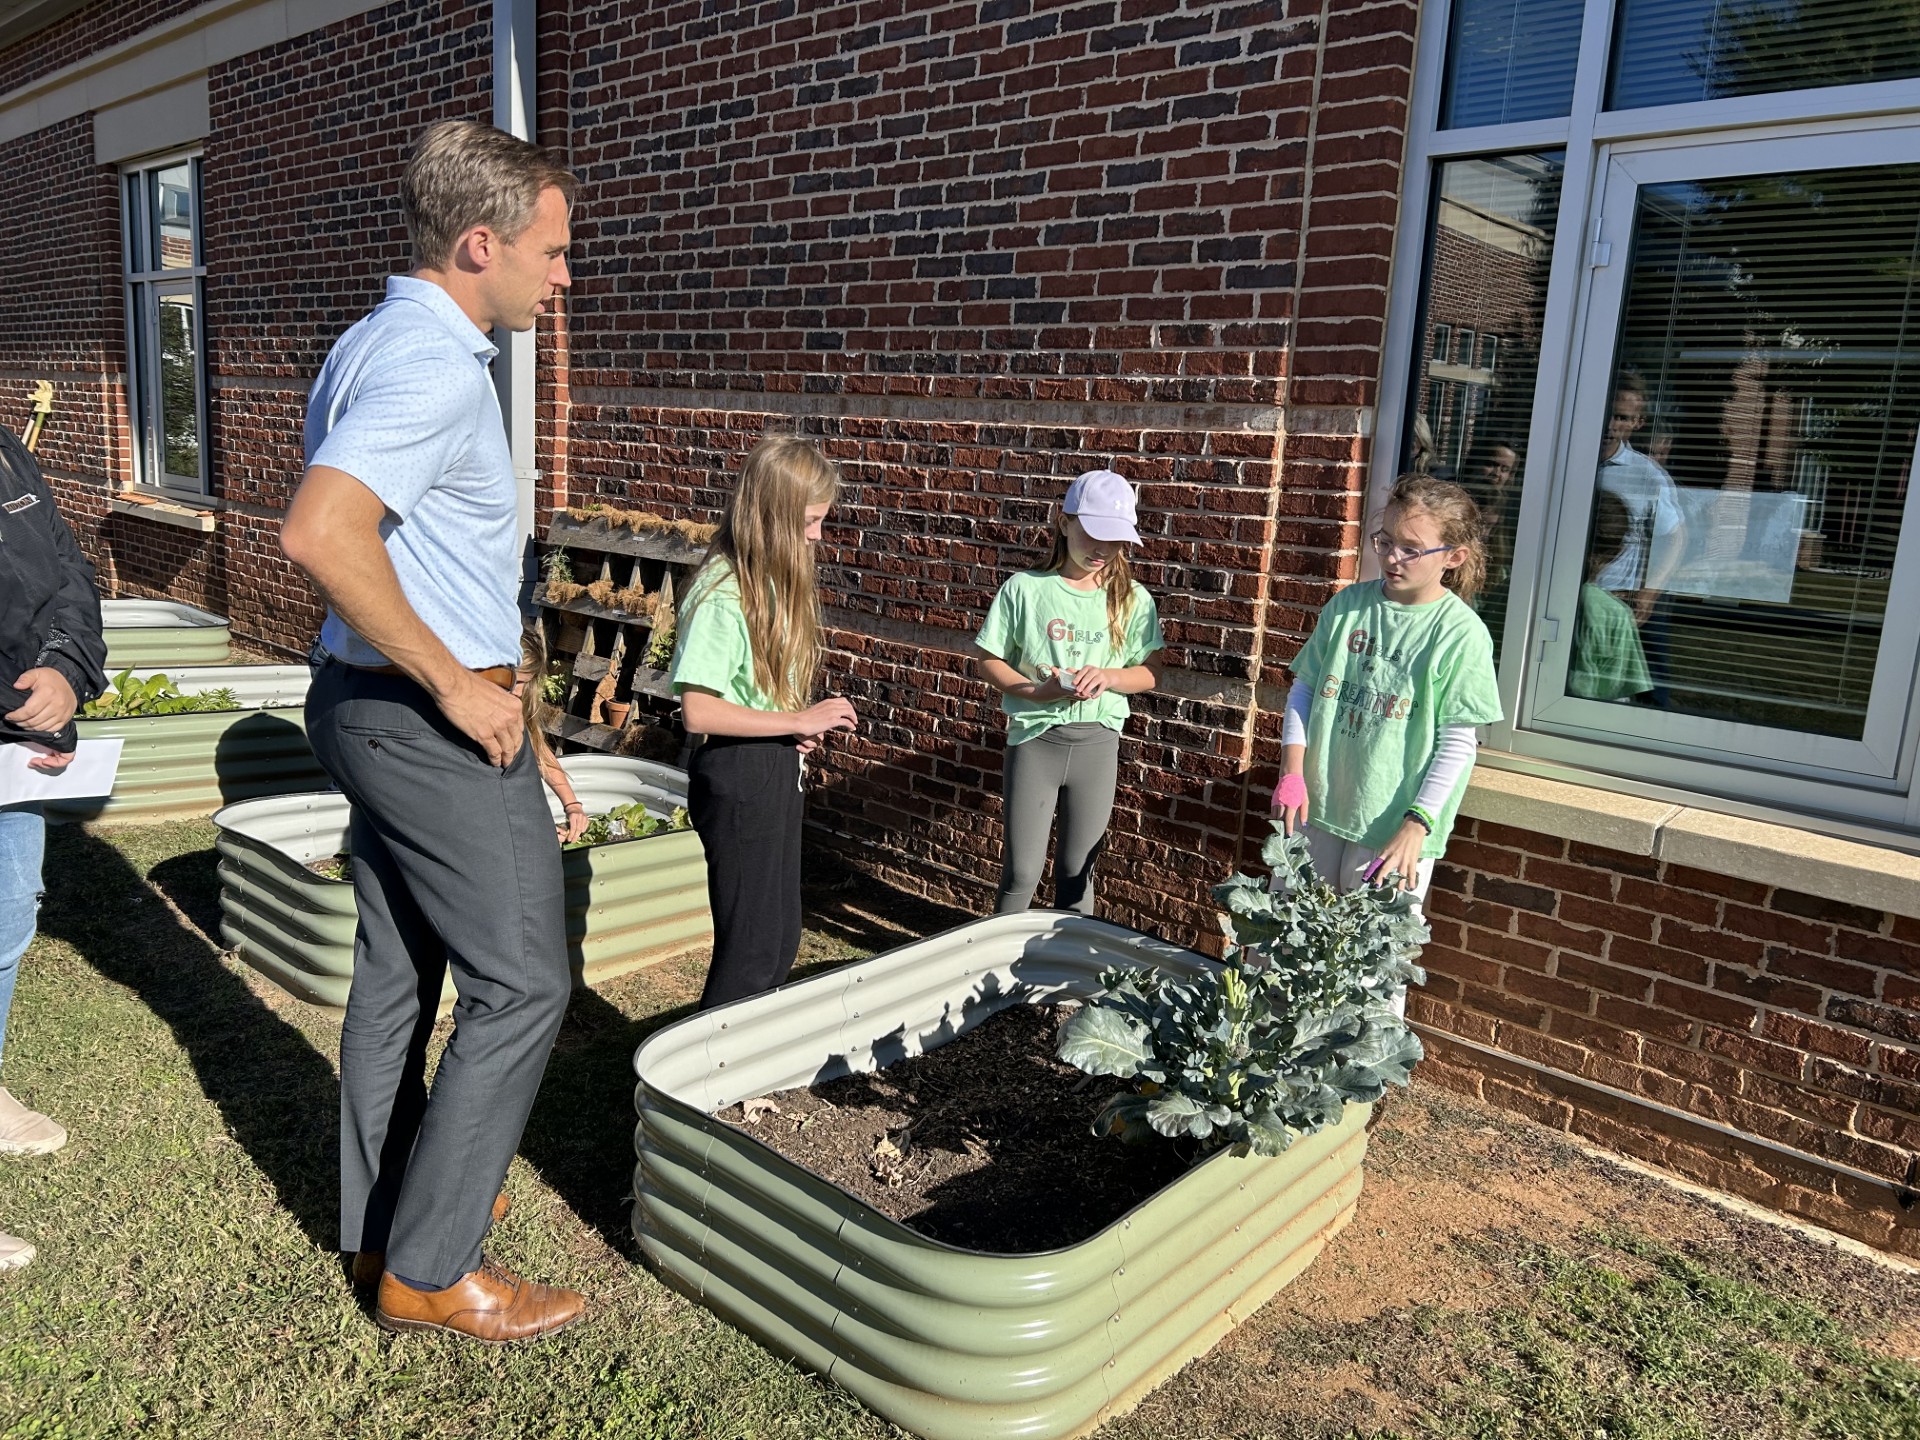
x: 602, y: 647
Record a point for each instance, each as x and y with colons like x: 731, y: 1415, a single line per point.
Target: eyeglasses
x: 1401, y: 554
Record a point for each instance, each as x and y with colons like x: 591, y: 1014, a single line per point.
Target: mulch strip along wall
x: 1621, y: 983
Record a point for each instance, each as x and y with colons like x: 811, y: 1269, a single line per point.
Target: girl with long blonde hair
x: 744, y: 664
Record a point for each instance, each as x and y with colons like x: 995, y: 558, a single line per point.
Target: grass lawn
x: 1496, y: 1282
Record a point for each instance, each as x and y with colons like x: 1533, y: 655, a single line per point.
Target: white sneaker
x: 26, y: 1132
x: 15, y: 1253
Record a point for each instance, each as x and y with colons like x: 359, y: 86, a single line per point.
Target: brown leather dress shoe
x: 369, y: 1265
x: 490, y: 1304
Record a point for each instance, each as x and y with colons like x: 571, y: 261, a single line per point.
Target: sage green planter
x: 160, y: 633
x: 174, y: 767
x: 956, y: 1344
x: 628, y: 904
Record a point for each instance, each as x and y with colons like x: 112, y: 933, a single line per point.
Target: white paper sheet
x: 91, y: 774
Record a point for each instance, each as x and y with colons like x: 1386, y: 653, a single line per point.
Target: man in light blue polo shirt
x: 406, y: 524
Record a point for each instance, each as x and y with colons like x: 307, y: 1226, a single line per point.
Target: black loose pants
x: 744, y: 796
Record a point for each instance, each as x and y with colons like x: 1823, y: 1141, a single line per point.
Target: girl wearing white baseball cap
x: 1065, y: 645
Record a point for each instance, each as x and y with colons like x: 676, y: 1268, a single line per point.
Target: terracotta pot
x: 617, y: 712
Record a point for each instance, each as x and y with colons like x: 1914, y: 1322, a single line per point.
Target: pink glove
x: 1292, y: 790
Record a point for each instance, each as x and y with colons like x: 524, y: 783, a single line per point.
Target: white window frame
x: 1799, y: 790
x: 142, y: 288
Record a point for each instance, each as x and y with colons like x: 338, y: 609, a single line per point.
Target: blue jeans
x: 23, y: 842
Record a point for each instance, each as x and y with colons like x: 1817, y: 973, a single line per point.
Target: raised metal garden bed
x: 956, y: 1344
x: 162, y: 633
x: 629, y: 904
x: 177, y: 766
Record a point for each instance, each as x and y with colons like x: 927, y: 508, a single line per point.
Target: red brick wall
x: 1785, y: 1017
x: 62, y: 316
x: 303, y: 227
x: 977, y: 249
x: 89, y: 29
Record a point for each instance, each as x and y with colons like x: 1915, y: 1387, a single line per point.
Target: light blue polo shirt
x: 405, y: 405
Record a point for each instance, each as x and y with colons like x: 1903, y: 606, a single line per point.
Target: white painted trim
x: 163, y: 55
x: 514, y: 109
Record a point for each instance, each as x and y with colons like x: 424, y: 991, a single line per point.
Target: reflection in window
x: 1485, y: 271
x: 1761, y: 431
x: 173, y: 217
x: 179, y: 398
x: 1672, y: 51
x: 1510, y: 60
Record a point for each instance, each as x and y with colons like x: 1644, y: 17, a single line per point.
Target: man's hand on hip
x: 486, y: 714
x: 50, y: 701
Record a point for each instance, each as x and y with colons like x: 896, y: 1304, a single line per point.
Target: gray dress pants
x: 454, y: 865
x: 1072, y: 769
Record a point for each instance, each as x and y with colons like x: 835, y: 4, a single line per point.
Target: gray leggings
x: 1075, y: 763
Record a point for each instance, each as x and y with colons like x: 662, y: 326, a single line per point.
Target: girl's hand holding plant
x: 575, y: 824
x: 1400, y: 856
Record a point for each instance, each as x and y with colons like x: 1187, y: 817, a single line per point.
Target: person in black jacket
x: 53, y: 655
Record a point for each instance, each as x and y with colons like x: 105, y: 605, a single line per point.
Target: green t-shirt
x: 1386, y: 680
x: 1608, y: 663
x: 712, y: 649
x: 1037, y: 620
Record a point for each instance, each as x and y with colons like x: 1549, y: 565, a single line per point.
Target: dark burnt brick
x: 1514, y: 894
x: 1601, y: 858
x: 1731, y: 887
x: 1895, y: 1024
x: 1831, y: 912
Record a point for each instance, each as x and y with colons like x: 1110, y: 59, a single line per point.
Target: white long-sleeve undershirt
x: 1453, y: 751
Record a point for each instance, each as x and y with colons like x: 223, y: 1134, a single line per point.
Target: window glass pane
x: 179, y: 390
x: 1670, y: 51
x: 171, y: 191
x: 1510, y: 60
x: 1763, y: 423
x: 1486, y: 268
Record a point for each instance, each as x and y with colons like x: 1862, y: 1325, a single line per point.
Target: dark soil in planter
x: 984, y: 1143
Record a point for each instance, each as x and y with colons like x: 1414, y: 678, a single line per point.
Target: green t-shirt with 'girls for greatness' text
x: 1039, y: 620
x: 1387, y: 679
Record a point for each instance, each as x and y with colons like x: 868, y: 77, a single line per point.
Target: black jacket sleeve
x: 74, y: 645
x: 52, y: 610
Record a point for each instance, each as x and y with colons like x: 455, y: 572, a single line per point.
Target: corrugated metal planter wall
x: 628, y: 904
x: 160, y: 633
x: 956, y: 1344
x: 177, y: 766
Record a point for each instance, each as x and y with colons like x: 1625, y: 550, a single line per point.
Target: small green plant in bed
x: 1299, y: 1022
x: 628, y: 822
x: 129, y: 699
x: 659, y: 654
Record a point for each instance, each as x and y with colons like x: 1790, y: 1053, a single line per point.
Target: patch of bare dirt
x: 984, y: 1142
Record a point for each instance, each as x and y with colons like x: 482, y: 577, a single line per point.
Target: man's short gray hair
x: 463, y: 174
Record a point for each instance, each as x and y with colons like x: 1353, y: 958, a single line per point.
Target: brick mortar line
x: 1183, y: 684
x: 1065, y: 414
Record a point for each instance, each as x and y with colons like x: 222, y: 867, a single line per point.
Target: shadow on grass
x: 580, y: 1134
x: 278, y: 1096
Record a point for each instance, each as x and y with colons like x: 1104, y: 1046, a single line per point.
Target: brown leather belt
x: 501, y: 675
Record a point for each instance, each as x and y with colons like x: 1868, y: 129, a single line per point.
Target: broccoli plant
x: 1299, y: 1021
x: 129, y: 699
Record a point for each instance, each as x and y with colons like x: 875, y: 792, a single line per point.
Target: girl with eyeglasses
x: 1378, y: 737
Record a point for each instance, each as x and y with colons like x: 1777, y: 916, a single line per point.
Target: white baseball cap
x: 1103, y: 502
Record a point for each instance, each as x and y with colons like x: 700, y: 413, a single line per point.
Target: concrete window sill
x: 1848, y: 871
x: 165, y: 509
